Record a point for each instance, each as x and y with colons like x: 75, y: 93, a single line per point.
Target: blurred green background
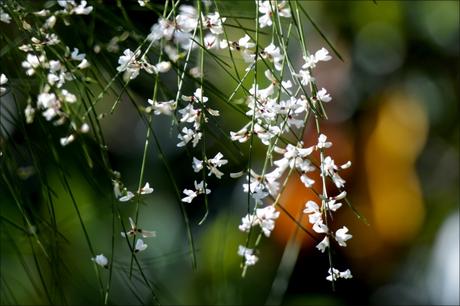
x: 394, y: 114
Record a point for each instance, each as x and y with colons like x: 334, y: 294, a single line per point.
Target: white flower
x: 189, y: 114
x: 266, y: 218
x: 328, y: 165
x: 143, y: 2
x: 215, y: 163
x: 265, y: 21
x: 48, y: 39
x: 338, y: 180
x: 135, y: 230
x: 284, y: 10
x: 128, y: 196
x: 340, y: 196
x: 214, y: 23
x: 116, y: 188
x: 68, y: 97
x: 165, y: 108
x: 236, y: 174
x: 190, y: 195
x: 198, y: 94
x: 101, y: 260
x: 250, y: 259
x: 305, y: 77
x: 257, y: 189
x: 217, y: 160
x: 268, y: 212
x: 315, y: 218
x: 3, y: 81
x: 321, y: 55
x: 345, y: 274
x: 64, y: 3
x: 242, y: 250
x: 188, y: 135
x: 323, y: 244
x: 247, y: 222
x: 267, y: 8
x: 163, y: 67
x: 197, y: 164
x: 82, y: 9
x: 273, y: 54
x: 146, y: 189
x: 53, y: 79
x: 346, y: 165
x: 335, y: 274
x: 322, y: 95
x: 127, y: 62
x: 187, y: 20
x: 32, y: 62
x: 245, y: 42
x: 195, y: 72
x: 84, y: 128
x: 240, y: 136
x: 295, y: 156
x: 286, y: 85
x: 163, y: 29
x: 29, y: 113
x: 322, y: 143
x: 76, y: 56
x: 320, y: 228
x: 332, y: 205
x: 313, y: 209
x: 341, y: 235
x: 50, y: 22
x: 50, y: 103
x: 66, y: 140
x: 248, y: 254
x: 302, y: 105
x: 70, y: 7
x: 308, y: 182
x: 264, y: 134
x: 50, y: 113
x: 140, y: 246
x: 199, y: 187
x: 4, y: 16
x: 84, y: 64
x: 211, y: 41
x: 55, y: 66
x: 42, y: 13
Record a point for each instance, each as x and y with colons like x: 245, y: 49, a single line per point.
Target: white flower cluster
x: 264, y: 217
x: 181, y: 30
x: 53, y: 96
x: 179, y: 34
x: 275, y: 111
x: 278, y: 108
x: 54, y: 100
x: 212, y: 165
x: 131, y: 64
x: 194, y: 112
